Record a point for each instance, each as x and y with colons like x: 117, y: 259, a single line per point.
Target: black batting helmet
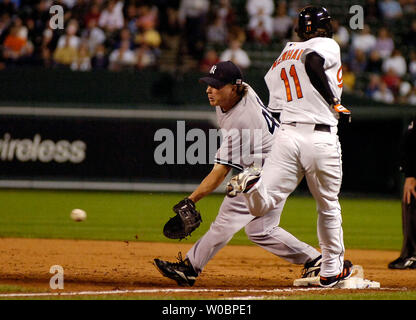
x: 314, y: 22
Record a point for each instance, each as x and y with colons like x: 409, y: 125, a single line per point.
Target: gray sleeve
x: 229, y: 153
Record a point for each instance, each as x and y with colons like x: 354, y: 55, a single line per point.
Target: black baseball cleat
x: 182, y: 272
x: 403, y: 263
x: 312, y: 268
x: 243, y: 181
x: 329, y: 282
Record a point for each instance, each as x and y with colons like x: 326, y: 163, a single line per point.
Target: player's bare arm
x: 187, y: 218
x: 211, y: 182
x: 409, y: 189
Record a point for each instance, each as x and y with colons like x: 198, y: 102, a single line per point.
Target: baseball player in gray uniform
x: 238, y: 109
x: 305, y: 83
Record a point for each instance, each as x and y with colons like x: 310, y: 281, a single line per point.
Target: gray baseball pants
x: 263, y: 231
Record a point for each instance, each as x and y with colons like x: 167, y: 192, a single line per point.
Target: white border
x: 146, y: 291
x: 269, y: 292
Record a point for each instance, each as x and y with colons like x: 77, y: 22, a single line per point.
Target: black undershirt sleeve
x: 314, y: 65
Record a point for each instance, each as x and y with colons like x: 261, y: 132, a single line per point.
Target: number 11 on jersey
x: 285, y: 78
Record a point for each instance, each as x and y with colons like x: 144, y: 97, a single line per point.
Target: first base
x: 356, y: 281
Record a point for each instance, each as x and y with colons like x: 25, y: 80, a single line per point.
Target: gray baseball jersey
x: 247, y: 131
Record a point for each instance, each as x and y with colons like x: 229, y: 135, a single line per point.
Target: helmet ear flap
x: 314, y: 22
x: 326, y: 25
x: 300, y: 27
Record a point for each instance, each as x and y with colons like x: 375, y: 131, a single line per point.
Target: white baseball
x: 78, y: 215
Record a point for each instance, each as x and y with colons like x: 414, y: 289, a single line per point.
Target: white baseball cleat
x: 243, y: 181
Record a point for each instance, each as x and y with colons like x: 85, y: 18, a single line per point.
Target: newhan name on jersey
x: 296, y: 98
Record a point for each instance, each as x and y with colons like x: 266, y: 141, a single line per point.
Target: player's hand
x: 343, y: 112
x: 187, y: 219
x: 409, y: 189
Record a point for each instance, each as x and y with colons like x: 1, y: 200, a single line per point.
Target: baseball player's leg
x: 323, y: 172
x: 407, y: 256
x: 280, y: 177
x: 409, y: 229
x: 232, y: 217
x: 265, y: 232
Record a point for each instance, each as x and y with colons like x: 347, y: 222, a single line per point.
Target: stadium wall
x: 97, y: 130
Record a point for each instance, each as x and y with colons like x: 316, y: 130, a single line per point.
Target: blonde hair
x: 241, y: 90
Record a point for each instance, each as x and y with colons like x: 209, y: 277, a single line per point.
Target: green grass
x: 367, y: 223
x: 5, y: 288
x: 104, y: 297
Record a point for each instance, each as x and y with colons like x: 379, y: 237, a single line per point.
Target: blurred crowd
x: 381, y: 57
x: 379, y: 60
x: 97, y: 34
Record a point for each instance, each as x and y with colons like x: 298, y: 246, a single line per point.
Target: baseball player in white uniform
x: 305, y: 84
x: 238, y: 109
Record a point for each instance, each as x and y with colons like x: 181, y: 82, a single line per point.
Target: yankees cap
x: 223, y: 73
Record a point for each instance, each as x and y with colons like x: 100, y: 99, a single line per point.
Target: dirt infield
x: 110, y: 265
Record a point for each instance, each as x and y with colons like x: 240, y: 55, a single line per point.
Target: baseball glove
x: 187, y: 219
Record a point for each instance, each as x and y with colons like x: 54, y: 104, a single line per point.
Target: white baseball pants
x: 300, y: 151
x: 264, y: 231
